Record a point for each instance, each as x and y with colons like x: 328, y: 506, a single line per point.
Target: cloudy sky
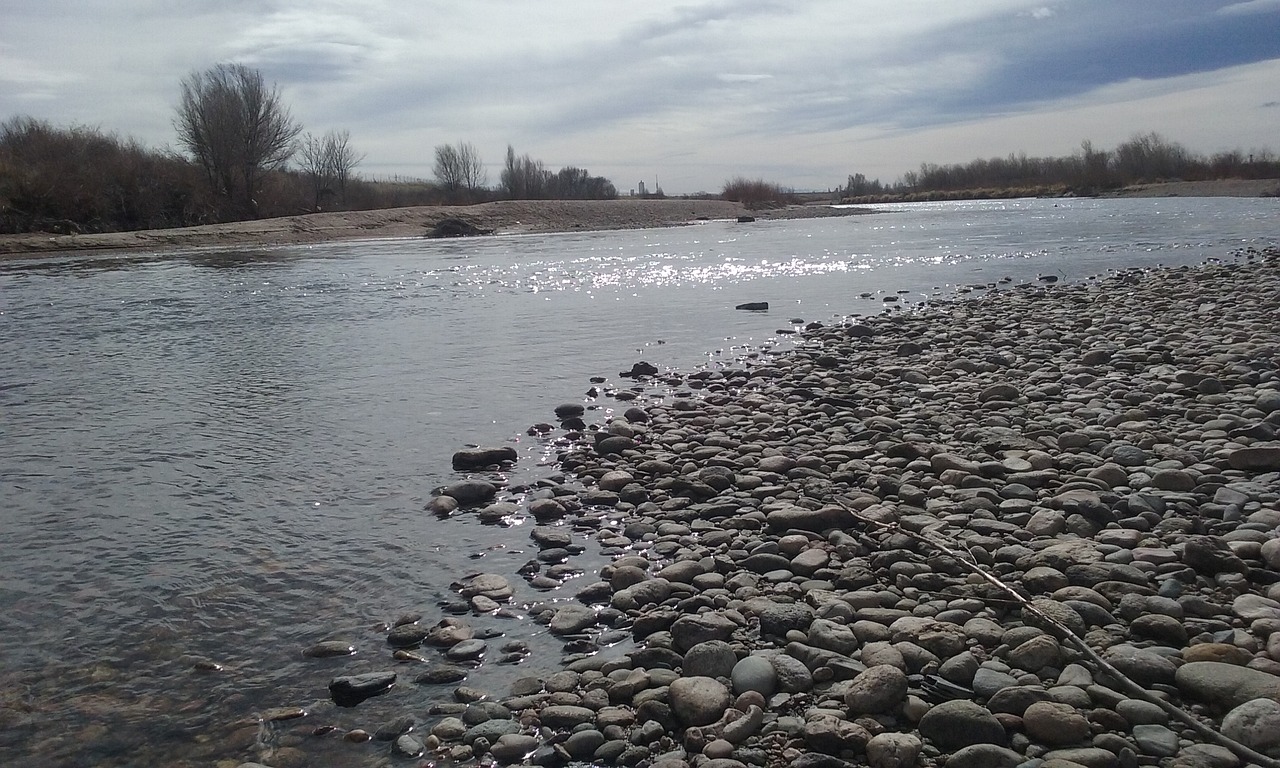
x: 687, y: 93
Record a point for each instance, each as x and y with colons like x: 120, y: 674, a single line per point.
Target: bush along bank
x: 1037, y: 528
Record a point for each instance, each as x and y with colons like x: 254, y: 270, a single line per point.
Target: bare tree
x: 236, y: 128
x: 523, y: 178
x: 329, y: 161
x: 459, y: 169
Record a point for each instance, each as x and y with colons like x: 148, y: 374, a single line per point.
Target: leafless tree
x: 329, y: 161
x: 237, y: 129
x: 523, y: 178
x: 459, y: 170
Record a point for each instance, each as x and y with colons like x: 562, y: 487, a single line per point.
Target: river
x: 223, y: 456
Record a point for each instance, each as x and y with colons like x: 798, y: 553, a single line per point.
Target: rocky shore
x: 808, y: 551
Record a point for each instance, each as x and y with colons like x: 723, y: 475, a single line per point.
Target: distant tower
x: 642, y: 190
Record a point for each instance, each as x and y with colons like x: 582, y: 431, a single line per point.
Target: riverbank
x: 502, y: 217
x: 803, y: 546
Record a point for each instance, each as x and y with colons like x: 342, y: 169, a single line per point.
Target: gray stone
x: 984, y: 756
x: 1256, y: 724
x: 566, y: 716
x: 955, y: 724
x: 832, y: 636
x: 1055, y: 724
x: 408, y: 746
x: 698, y: 700
x: 468, y: 492
x: 1226, y: 686
x: 490, y: 730
x: 881, y: 689
x: 779, y: 618
x: 572, y: 618
x: 1155, y: 740
x: 893, y: 750
x: 714, y: 658
x: 793, y: 675
x: 755, y: 673
x: 688, y: 631
x: 511, y: 748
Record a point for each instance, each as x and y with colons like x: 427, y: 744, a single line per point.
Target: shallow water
x: 225, y: 455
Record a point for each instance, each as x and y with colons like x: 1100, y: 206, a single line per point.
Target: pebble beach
x: 805, y: 550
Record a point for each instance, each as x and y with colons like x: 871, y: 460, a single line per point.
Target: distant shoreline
x: 504, y: 217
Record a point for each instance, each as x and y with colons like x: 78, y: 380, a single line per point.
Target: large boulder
x: 698, y: 700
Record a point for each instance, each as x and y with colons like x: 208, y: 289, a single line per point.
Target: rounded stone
x: 1256, y: 724
x: 1055, y: 724
x: 754, y: 673
x: 880, y: 689
x: 893, y: 750
x: 714, y: 658
x: 698, y: 700
x: 955, y: 724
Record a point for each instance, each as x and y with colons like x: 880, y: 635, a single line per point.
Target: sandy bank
x: 501, y: 217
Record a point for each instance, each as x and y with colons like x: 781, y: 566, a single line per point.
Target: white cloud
x: 1250, y: 7
x: 695, y: 90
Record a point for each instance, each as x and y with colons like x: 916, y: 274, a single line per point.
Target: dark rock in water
x: 639, y: 369
x: 408, y: 746
x: 455, y: 227
x: 470, y: 491
x: 746, y: 219
x: 1048, y: 278
x: 569, y: 410
x: 443, y: 674
x: 406, y: 635
x: 350, y: 690
x: 754, y: 306
x: 329, y: 649
x: 479, y: 458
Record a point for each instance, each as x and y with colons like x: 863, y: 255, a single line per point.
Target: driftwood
x: 1127, y: 685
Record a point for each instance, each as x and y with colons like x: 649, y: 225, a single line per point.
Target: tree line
x: 1145, y: 158
x: 241, y: 155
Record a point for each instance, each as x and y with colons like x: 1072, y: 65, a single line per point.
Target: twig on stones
x: 969, y: 563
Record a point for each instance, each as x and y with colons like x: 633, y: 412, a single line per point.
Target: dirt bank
x: 502, y: 217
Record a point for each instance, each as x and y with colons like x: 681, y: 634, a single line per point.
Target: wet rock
x: 329, y: 649
x: 468, y: 492
x: 511, y: 748
x: 408, y: 746
x: 572, y: 618
x: 479, y: 458
x: 406, y: 636
x: 566, y: 716
x: 350, y: 690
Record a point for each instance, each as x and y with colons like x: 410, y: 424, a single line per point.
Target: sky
x: 685, y: 94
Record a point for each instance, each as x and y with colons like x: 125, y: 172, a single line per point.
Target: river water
x: 224, y: 455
